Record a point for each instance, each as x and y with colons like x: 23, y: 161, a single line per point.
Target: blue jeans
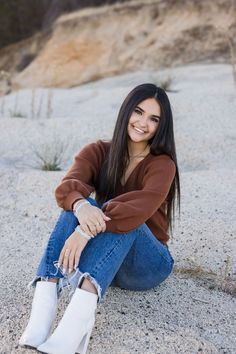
x: 135, y: 260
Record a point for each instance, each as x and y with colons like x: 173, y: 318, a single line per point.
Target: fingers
x: 71, y: 261
x: 71, y: 251
x: 101, y: 225
x: 98, y: 226
x: 85, y: 228
x: 61, y: 257
x: 64, y: 259
x: 77, y: 258
x: 67, y: 259
x: 93, y: 227
x: 92, y: 220
x: 106, y: 218
x: 94, y: 223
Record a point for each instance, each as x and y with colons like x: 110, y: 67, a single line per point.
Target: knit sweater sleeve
x: 130, y: 210
x: 78, y: 183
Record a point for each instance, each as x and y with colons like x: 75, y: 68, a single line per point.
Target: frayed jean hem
x: 71, y: 281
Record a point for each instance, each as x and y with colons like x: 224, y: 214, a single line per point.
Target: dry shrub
x: 224, y: 280
x: 50, y: 156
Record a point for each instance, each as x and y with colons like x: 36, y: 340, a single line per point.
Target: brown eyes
x: 138, y: 111
x: 156, y: 120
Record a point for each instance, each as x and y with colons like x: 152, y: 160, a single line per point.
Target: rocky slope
x: 99, y: 42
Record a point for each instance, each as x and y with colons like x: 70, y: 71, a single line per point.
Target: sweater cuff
x: 111, y: 226
x: 71, y: 199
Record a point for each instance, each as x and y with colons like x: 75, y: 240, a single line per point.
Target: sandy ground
x: 194, y: 310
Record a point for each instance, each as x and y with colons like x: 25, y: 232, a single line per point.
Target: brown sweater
x: 140, y: 200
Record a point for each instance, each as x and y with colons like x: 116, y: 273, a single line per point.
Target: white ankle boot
x: 74, y: 330
x: 43, y: 312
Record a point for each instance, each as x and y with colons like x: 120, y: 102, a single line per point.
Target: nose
x: 143, y: 121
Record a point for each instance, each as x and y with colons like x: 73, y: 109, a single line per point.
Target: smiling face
x: 144, y: 121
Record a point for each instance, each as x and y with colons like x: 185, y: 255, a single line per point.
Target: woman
x: 118, y: 239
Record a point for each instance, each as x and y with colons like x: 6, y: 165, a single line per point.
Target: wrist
x: 77, y: 205
x: 82, y: 233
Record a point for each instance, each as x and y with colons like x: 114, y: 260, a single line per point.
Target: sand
x: 194, y: 309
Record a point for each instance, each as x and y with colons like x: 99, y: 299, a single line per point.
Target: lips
x: 139, y: 131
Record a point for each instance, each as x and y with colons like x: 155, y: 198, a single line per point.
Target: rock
x: 100, y: 42
x: 5, y: 83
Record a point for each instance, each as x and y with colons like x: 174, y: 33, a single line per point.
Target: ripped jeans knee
x: 73, y: 280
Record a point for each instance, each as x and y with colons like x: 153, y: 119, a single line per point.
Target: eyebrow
x: 153, y: 115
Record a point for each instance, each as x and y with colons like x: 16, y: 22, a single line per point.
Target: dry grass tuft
x: 227, y: 277
x: 15, y: 113
x: 224, y: 280
x: 37, y: 105
x: 49, y: 104
x: 166, y: 83
x: 50, y: 156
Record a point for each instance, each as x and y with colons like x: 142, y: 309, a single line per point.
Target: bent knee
x: 67, y: 214
x: 141, y: 283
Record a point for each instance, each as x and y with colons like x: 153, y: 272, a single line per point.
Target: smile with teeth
x: 138, y: 130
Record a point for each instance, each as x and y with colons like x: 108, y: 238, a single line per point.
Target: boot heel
x: 82, y: 348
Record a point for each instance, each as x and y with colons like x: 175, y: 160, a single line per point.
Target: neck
x: 137, y: 148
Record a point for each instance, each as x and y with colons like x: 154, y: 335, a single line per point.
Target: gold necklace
x: 139, y: 155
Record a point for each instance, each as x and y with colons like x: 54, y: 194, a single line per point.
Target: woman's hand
x: 70, y: 253
x: 92, y: 219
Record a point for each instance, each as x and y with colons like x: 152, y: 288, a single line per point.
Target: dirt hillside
x: 99, y: 42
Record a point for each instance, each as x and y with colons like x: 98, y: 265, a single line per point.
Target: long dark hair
x: 163, y: 142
